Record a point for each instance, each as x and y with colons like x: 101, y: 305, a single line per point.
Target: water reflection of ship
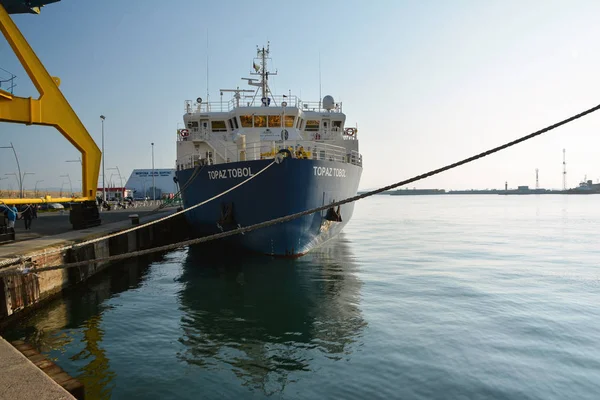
x: 82, y: 311
x: 262, y: 316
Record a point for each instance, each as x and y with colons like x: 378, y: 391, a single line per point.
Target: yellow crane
x: 50, y: 109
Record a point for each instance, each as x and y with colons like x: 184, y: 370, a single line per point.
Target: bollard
x: 135, y: 219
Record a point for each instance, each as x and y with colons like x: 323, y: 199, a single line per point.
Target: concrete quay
x: 26, y: 374
x: 52, y: 231
x: 21, y: 379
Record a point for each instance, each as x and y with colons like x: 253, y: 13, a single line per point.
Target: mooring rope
x: 190, y: 180
x: 87, y: 242
x: 287, y: 218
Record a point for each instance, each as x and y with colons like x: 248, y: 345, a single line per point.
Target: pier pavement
x: 52, y: 228
x: 21, y: 379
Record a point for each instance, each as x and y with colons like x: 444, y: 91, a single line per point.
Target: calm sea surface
x: 421, y: 297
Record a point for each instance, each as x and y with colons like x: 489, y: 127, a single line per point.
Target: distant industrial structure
x: 564, y: 171
x: 141, y: 183
x: 585, y: 187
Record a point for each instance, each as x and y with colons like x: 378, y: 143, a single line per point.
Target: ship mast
x: 262, y: 55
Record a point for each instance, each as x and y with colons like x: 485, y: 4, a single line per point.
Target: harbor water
x: 420, y: 297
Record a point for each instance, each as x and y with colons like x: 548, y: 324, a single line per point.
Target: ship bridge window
x: 235, y: 123
x: 192, y: 124
x: 260, y: 121
x: 246, y: 121
x: 337, y: 124
x: 218, y: 126
x: 299, y: 123
x: 312, y: 125
x: 274, y: 121
x: 230, y: 121
x: 289, y: 121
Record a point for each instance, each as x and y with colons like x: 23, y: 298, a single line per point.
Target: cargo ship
x: 310, y: 154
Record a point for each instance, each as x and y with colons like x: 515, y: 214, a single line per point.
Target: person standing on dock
x: 27, y: 216
x: 11, y: 213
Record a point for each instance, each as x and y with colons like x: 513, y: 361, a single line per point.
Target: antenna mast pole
x: 537, y: 181
x: 207, y: 99
x: 320, y: 98
x: 564, y: 171
x: 263, y: 55
x: 263, y: 72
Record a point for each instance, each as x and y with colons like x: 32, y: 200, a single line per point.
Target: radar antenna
x: 237, y: 95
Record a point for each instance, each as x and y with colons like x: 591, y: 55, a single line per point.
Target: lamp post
x: 78, y: 160
x: 153, y: 182
x: 120, y: 179
x: 20, y: 179
x: 17, y: 178
x: 0, y: 180
x: 102, y: 118
x: 70, y: 185
x: 118, y: 173
x: 35, y: 188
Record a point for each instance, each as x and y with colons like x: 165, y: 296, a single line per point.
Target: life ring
x: 349, y: 131
x: 184, y: 133
x: 284, y: 134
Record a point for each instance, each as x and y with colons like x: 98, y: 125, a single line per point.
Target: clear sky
x: 428, y: 82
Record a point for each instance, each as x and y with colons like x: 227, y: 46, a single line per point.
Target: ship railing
x: 260, y: 150
x: 191, y: 106
x: 192, y: 160
x: 355, y: 158
x: 227, y: 151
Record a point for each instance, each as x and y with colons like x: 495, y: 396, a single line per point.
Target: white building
x: 140, y: 182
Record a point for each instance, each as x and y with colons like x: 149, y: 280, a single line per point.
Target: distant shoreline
x: 510, y: 192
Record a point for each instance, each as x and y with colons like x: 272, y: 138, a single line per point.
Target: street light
x: 102, y: 117
x: 0, y: 180
x: 16, y: 177
x: 35, y: 188
x: 153, y: 183
x: 118, y: 173
x: 20, y: 179
x: 70, y: 186
x: 120, y: 180
x: 79, y: 160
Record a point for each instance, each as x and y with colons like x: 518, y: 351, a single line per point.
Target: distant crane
x: 537, y: 181
x: 564, y: 171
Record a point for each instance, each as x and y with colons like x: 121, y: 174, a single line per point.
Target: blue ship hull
x: 289, y: 187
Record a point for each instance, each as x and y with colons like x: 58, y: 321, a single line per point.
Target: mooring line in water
x: 290, y: 217
x: 87, y: 242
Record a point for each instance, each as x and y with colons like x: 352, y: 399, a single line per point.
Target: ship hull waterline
x: 292, y: 186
